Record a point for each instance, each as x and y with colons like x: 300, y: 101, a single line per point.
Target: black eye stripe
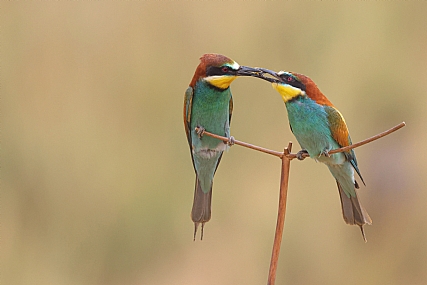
x: 219, y: 70
x: 291, y: 80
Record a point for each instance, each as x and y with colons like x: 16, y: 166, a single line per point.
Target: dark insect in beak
x: 262, y: 73
x: 269, y: 75
x: 248, y: 71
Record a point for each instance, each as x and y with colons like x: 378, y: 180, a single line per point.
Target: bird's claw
x: 230, y: 141
x: 200, y: 131
x: 300, y: 154
x: 325, y: 152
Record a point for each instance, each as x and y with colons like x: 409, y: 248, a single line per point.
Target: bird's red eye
x: 289, y: 79
x: 224, y: 69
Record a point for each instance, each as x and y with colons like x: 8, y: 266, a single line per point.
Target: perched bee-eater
x: 208, y: 104
x: 319, y: 127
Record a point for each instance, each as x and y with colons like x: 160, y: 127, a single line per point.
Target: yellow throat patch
x: 288, y: 92
x: 221, y: 81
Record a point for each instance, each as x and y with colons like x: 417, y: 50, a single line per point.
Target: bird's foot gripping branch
x: 200, y: 131
x: 302, y: 154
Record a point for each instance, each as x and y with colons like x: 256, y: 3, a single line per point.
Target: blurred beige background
x: 96, y: 177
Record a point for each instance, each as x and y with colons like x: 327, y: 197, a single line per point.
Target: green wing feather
x: 188, y: 104
x: 230, y: 106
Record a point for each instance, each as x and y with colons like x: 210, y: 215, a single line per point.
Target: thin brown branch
x: 248, y: 145
x: 284, y: 182
x: 292, y: 155
x: 371, y: 139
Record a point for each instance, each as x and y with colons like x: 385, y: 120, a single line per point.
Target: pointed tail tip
x: 196, y: 225
x: 201, y: 236
x: 363, y: 234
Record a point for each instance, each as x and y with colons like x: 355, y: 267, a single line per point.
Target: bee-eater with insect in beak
x: 208, y: 105
x: 319, y: 128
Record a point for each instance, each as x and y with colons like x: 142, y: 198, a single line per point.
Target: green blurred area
x: 96, y: 176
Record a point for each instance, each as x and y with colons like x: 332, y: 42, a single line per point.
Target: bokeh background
x: 96, y: 177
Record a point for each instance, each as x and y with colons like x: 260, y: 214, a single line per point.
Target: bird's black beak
x: 258, y: 72
x: 247, y: 71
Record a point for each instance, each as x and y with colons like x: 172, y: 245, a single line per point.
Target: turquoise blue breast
x: 309, y: 123
x: 211, y: 111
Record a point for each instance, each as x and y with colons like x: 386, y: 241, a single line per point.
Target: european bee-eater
x: 319, y: 128
x: 208, y: 104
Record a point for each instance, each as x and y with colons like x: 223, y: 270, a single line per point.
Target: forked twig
x: 286, y: 156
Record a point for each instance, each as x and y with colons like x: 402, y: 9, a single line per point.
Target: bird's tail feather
x: 201, y: 212
x: 353, y: 212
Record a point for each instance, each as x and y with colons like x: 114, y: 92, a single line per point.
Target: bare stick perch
x: 286, y: 156
x: 292, y: 155
x: 284, y: 180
